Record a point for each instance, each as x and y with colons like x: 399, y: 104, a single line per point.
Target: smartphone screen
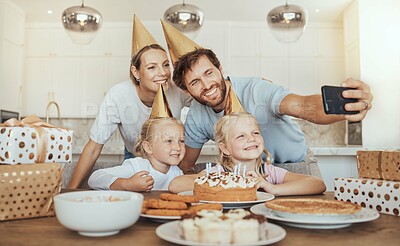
x: 333, y: 100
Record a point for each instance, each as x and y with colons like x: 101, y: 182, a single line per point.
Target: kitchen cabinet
x: 49, y: 79
x: 12, y: 21
x: 49, y: 40
x: 304, y: 66
x: 98, y: 76
x: 75, y: 76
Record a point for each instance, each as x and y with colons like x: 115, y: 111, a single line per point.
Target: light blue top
x: 283, y: 137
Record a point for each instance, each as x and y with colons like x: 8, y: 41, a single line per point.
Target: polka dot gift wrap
x: 381, y: 195
x: 27, y: 190
x: 27, y: 145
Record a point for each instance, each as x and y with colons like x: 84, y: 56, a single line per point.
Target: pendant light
x: 81, y: 23
x: 287, y: 22
x: 186, y: 18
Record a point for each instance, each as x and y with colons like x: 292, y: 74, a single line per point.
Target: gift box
x: 27, y: 190
x: 33, y: 141
x: 378, y: 164
x: 381, y: 195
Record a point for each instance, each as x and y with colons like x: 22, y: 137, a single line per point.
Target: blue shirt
x: 283, y: 138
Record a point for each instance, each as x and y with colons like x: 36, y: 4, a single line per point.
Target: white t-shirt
x: 122, y: 108
x: 103, y: 178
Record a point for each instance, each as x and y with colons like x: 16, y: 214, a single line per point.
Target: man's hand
x: 362, y: 93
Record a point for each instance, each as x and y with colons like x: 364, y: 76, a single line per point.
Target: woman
x: 127, y: 106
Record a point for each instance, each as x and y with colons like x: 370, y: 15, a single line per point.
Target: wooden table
x: 47, y: 231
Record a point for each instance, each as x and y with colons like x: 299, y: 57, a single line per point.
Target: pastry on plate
x: 313, y: 206
x: 215, y: 227
x: 225, y: 187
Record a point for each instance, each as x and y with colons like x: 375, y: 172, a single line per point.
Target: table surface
x: 48, y: 231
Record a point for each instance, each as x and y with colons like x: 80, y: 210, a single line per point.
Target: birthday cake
x: 237, y: 226
x: 225, y: 186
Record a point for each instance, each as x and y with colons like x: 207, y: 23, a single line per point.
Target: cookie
x: 178, y: 198
x: 166, y: 212
x: 209, y: 206
x: 158, y: 203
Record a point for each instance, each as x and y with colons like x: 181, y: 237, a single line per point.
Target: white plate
x: 159, y: 218
x: 364, y: 215
x: 313, y: 217
x: 169, y: 232
x: 261, y: 197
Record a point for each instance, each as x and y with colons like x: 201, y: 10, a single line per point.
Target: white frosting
x: 226, y: 180
x: 237, y: 214
x: 215, y: 227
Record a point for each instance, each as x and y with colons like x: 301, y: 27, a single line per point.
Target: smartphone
x: 333, y: 100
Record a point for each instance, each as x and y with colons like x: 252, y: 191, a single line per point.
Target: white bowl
x: 91, y: 213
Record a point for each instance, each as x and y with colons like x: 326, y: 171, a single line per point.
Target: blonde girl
x: 159, y: 150
x: 240, y: 141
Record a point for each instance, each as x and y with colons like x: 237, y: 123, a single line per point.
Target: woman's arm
x: 85, y: 163
x: 183, y: 183
x: 189, y: 160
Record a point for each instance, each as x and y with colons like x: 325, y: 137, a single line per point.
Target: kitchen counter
x: 333, y: 161
x: 48, y: 231
x: 212, y: 149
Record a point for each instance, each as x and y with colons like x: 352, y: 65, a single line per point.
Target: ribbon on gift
x: 38, y: 124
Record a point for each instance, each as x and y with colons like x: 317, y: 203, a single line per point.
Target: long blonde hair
x: 221, y: 136
x: 147, y: 133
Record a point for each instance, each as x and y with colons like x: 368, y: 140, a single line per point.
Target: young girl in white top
x: 240, y: 142
x: 160, y: 148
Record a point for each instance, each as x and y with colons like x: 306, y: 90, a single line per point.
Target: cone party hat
x: 233, y: 104
x: 140, y: 36
x: 178, y: 44
x: 160, y: 105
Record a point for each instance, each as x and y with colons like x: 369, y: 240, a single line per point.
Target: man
x: 199, y: 73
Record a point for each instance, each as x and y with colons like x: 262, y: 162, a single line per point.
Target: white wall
x: 379, y: 38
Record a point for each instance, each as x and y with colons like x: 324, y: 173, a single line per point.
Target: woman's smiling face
x: 154, y: 70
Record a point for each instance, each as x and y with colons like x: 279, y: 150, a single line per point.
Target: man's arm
x: 189, y: 160
x: 85, y: 163
x: 311, y: 108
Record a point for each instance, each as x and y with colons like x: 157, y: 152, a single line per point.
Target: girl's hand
x: 252, y: 174
x: 266, y: 186
x: 261, y: 182
x: 140, y: 181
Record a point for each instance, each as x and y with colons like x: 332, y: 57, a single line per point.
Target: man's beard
x: 221, y: 87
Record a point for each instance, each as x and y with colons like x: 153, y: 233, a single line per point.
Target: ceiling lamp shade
x: 186, y: 18
x: 81, y: 23
x: 287, y: 22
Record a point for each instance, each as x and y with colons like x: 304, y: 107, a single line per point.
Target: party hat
x: 160, y: 105
x: 140, y: 36
x: 178, y: 44
x: 233, y: 104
